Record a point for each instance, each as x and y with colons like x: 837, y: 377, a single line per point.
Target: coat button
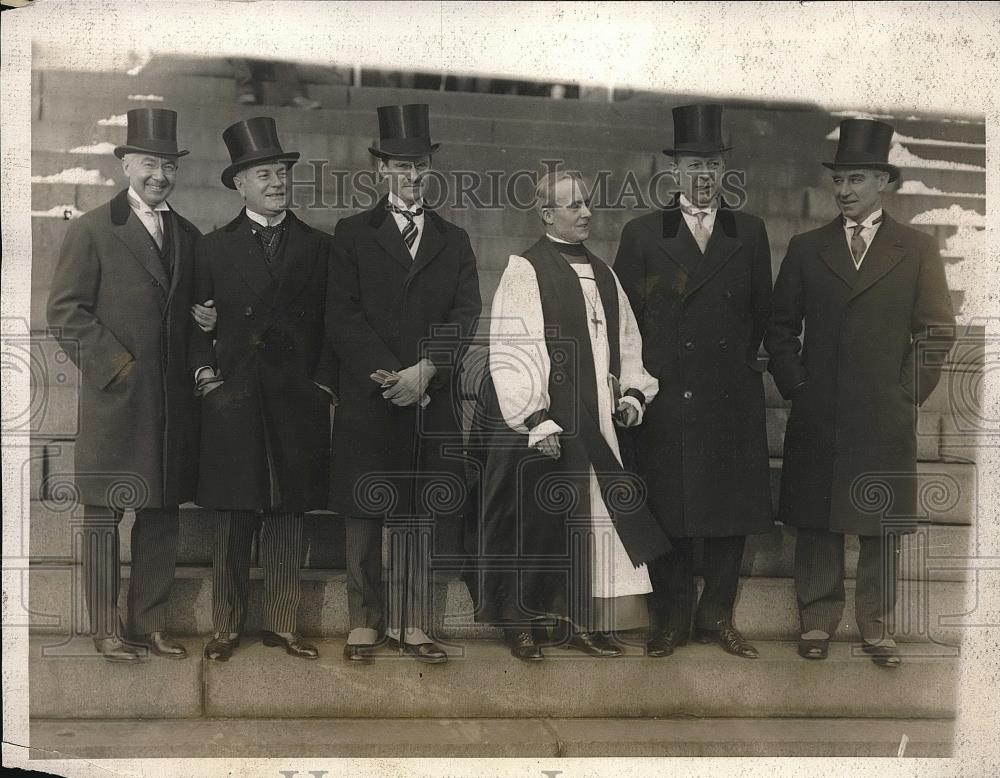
x: 248, y: 311
x: 729, y: 295
x: 688, y: 394
x: 689, y: 346
x: 302, y: 314
x: 723, y: 345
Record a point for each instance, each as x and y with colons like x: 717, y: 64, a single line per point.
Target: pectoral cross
x: 596, y: 322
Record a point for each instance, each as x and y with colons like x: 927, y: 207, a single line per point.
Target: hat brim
x: 227, y: 175
x: 376, y: 152
x: 121, y: 151
x: 696, y: 152
x: 892, y: 170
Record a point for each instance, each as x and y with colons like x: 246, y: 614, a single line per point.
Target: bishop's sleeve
x: 519, y: 359
x: 634, y: 379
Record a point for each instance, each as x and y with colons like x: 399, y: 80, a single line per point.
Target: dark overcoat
x: 386, y: 310
x: 111, y: 304
x: 265, y: 438
x: 702, y: 447
x: 868, y: 358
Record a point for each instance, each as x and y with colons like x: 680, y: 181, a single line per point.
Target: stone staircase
x: 482, y: 703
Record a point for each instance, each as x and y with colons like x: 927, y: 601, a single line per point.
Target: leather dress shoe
x: 884, y: 653
x: 114, y: 649
x: 729, y: 638
x: 522, y: 645
x: 221, y: 646
x: 359, y: 653
x: 593, y: 643
x: 429, y: 653
x: 291, y: 642
x: 160, y: 644
x: 663, y: 643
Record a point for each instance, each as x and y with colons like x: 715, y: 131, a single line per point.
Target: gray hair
x: 546, y: 187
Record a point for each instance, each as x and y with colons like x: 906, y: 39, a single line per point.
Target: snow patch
x: 955, y: 216
x: 117, y: 120
x: 920, y: 188
x: 104, y: 147
x: 967, y: 243
x: 912, y: 141
x: 147, y: 98
x: 901, y: 157
x: 66, y: 212
x: 75, y: 175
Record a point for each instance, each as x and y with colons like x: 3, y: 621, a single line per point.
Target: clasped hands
x: 407, y: 386
x: 628, y: 416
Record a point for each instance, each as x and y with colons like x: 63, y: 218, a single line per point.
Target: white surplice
x: 519, y: 364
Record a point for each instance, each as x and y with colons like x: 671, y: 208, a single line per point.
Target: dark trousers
x: 819, y: 582
x: 280, y: 557
x: 671, y: 603
x: 406, y: 600
x: 154, y: 557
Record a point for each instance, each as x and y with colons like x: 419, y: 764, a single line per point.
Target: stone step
x: 928, y: 612
x: 482, y: 680
x: 204, y: 82
x: 949, y: 489
x: 52, y: 529
x: 477, y: 737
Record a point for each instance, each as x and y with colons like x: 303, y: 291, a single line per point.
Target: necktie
x: 410, y: 228
x: 157, y: 229
x: 701, y: 231
x: 858, y: 243
x: 270, y: 238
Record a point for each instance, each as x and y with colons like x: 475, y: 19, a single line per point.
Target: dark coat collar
x: 724, y: 217
x: 885, y: 252
x: 242, y: 216
x: 378, y: 214
x: 120, y: 210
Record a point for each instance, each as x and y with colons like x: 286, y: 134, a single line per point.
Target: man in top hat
x: 403, y: 299
x: 266, y: 384
x: 698, y: 275
x: 565, y: 375
x: 119, y: 307
x: 872, y: 297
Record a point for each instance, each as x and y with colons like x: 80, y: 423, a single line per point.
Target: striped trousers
x: 280, y: 558
x: 819, y: 582
x: 154, y: 557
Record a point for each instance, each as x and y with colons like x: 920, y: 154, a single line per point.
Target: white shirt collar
x: 398, y: 202
x: 867, y: 224
x: 141, y: 206
x: 710, y: 209
x: 554, y: 239
x: 264, y: 220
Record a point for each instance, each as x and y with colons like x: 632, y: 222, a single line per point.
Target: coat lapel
x: 883, y: 255
x: 675, y: 242
x: 247, y: 257
x: 431, y: 242
x: 388, y: 236
x: 299, y: 259
x: 722, y: 244
x: 836, y: 254
x: 129, y: 230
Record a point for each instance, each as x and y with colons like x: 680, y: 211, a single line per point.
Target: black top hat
x: 697, y: 130
x: 253, y: 142
x: 404, y: 132
x: 151, y: 131
x: 864, y: 143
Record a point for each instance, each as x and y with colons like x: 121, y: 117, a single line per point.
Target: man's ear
x: 883, y: 180
x: 547, y: 215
